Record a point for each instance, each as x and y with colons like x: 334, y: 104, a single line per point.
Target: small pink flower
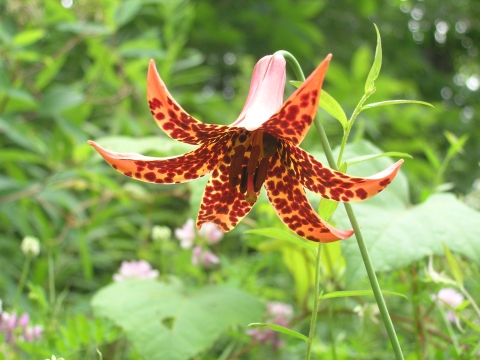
x: 186, y: 234
x: 23, y: 321
x: 452, y: 298
x: 211, y: 232
x: 204, y: 257
x: 33, y: 333
x: 277, y: 313
x: 135, y: 270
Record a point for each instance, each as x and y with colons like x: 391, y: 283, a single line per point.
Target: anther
x: 235, y: 167
x: 261, y: 174
x: 253, y: 161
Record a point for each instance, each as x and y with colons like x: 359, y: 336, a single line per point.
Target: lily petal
x: 291, y: 205
x: 265, y: 96
x: 331, y: 184
x: 172, y: 119
x: 296, y: 115
x: 172, y: 170
x: 222, y: 204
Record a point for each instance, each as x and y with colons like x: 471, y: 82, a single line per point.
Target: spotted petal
x: 222, y: 204
x: 172, y: 119
x: 331, y: 184
x: 296, y: 115
x: 288, y: 198
x: 177, y: 169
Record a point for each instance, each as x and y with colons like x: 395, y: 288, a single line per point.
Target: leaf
x: 337, y: 294
x: 296, y: 83
x: 397, y: 233
x: 395, y: 102
x: 126, y: 11
x: 331, y: 106
x: 376, y: 66
x: 58, y: 99
x: 360, y: 159
x: 326, y: 208
x: 280, y: 329
x: 275, y: 233
x: 456, y: 144
x: 164, y: 321
x: 455, y: 269
x: 28, y: 37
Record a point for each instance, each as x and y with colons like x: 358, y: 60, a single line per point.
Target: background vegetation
x: 75, y: 70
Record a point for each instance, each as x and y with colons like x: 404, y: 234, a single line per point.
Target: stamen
x: 261, y: 174
x: 243, y: 181
x: 253, y: 161
x: 251, y: 196
x: 236, y: 166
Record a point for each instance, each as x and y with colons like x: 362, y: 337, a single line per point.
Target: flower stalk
x: 351, y: 216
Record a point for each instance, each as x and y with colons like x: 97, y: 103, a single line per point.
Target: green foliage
x: 69, y: 74
x: 161, y: 316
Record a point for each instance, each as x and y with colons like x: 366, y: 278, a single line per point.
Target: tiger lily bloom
x: 259, y: 148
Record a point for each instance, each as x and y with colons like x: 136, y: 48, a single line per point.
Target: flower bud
x: 30, y: 246
x: 161, y: 233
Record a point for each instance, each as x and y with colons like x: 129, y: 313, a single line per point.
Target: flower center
x: 250, y: 162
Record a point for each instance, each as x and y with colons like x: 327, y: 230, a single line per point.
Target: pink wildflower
x: 186, y: 234
x: 452, y: 298
x: 277, y: 313
x: 211, y: 233
x: 135, y: 270
x: 204, y: 257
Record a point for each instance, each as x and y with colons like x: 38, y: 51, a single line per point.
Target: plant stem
x: 348, y: 207
x: 363, y: 251
x: 316, y: 301
x: 23, y: 278
x: 51, y: 276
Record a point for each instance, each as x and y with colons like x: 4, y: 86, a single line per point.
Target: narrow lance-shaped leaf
x: 453, y: 265
x: 280, y: 329
x: 395, y: 102
x: 456, y: 144
x: 377, y: 64
x: 337, y: 294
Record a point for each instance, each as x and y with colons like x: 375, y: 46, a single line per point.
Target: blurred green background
x: 74, y: 70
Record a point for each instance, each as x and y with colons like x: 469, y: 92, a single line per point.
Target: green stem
x: 316, y: 301
x: 363, y: 251
x: 348, y: 207
x: 23, y: 279
x: 51, y: 277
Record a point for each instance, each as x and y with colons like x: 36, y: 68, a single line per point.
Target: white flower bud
x: 161, y: 233
x: 30, y: 246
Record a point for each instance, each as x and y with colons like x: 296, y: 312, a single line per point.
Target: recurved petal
x: 296, y: 115
x: 291, y: 204
x: 177, y: 169
x: 222, y: 204
x: 331, y: 184
x: 172, y: 119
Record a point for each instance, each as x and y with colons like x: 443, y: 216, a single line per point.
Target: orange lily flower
x: 259, y: 148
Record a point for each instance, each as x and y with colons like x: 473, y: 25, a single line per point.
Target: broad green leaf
x: 337, y: 294
x: 455, y: 269
x: 58, y: 99
x: 299, y: 262
x: 326, y: 208
x: 377, y: 64
x: 28, y: 37
x: 398, y: 233
x: 275, y: 233
x: 395, y: 102
x: 331, y: 106
x: 165, y: 321
x: 280, y: 329
x: 360, y: 159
